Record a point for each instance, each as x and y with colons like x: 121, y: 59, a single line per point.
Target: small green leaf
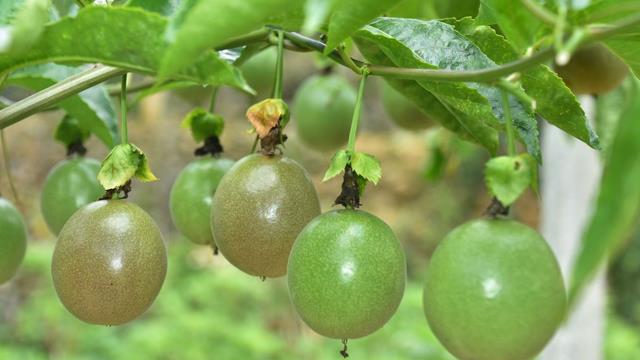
x: 69, y: 131
x: 21, y: 24
x: 338, y: 162
x: 366, y: 166
x: 123, y: 163
x: 533, y: 166
x: 203, y: 124
x: 507, y: 177
x: 618, y: 204
x: 350, y: 15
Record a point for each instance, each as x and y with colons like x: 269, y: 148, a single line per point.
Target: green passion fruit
x: 70, y: 185
x: 593, y: 69
x: 192, y: 195
x: 109, y: 262
x: 322, y: 109
x: 402, y: 111
x: 494, y: 291
x: 259, y: 208
x: 260, y: 70
x: 347, y: 274
x: 13, y: 240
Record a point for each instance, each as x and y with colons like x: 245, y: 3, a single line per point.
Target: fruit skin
x: 494, y: 291
x: 402, y: 111
x: 109, y: 262
x: 70, y: 185
x: 347, y: 273
x: 13, y: 240
x: 261, y: 205
x: 322, y: 108
x: 260, y: 70
x: 192, y: 195
x: 593, y: 69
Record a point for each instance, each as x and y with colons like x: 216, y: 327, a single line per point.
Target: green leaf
x: 518, y: 24
x: 203, y: 124
x: 21, y: 24
x: 92, y: 108
x: 112, y: 36
x: 338, y: 162
x: 555, y: 102
x: 206, y: 24
x: 162, y: 7
x: 123, y: 163
x: 69, y: 131
x: 366, y: 166
x: 350, y: 15
x: 316, y: 13
x: 618, y: 204
x: 507, y: 177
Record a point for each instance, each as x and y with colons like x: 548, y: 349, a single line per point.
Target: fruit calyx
x: 76, y: 148
x: 350, y: 191
x: 344, y: 350
x: 496, y: 209
x: 268, y: 118
x: 124, y: 190
x: 211, y: 146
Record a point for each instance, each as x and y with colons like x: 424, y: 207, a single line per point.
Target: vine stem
x: 541, y: 12
x: 511, y: 143
x: 355, y: 120
x: 277, y: 85
x: 124, y: 131
x: 7, y: 168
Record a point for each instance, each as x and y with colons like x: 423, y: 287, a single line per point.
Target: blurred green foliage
x: 206, y: 310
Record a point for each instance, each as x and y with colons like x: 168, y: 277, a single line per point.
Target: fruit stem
x: 511, y: 144
x: 344, y: 352
x: 351, y: 146
x: 277, y: 85
x: 7, y: 169
x: 212, y: 102
x: 124, y: 136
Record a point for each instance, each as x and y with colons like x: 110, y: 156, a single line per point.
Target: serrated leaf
x: 203, y: 124
x: 21, y: 24
x: 555, y: 102
x: 507, y: 177
x: 350, y: 15
x: 519, y: 25
x: 366, y: 166
x: 266, y: 114
x: 92, y: 107
x: 69, y: 131
x: 439, y: 45
x: 338, y: 162
x: 618, y: 204
x: 206, y: 24
x: 112, y: 36
x: 123, y: 163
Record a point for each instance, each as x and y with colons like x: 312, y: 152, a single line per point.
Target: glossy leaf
x: 21, y: 24
x: 518, y: 24
x: 618, y: 204
x: 338, y: 162
x: 92, y: 31
x: 123, y: 163
x: 350, y: 15
x: 507, y: 177
x: 366, y: 166
x: 203, y: 124
x: 92, y: 107
x: 555, y: 102
x: 206, y: 24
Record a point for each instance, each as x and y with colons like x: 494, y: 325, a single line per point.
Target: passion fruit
x: 70, y: 185
x: 109, y: 262
x: 260, y: 70
x: 593, y: 69
x: 402, y: 111
x: 494, y: 291
x: 192, y: 195
x: 322, y: 109
x: 347, y: 274
x: 259, y: 208
x: 13, y: 240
